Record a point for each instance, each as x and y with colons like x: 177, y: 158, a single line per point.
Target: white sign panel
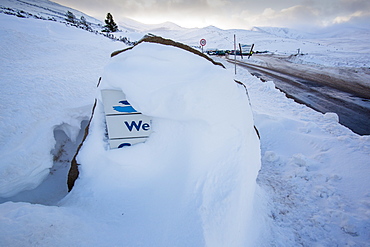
x: 115, y: 103
x: 246, y: 47
x: 125, y: 125
x: 119, y: 143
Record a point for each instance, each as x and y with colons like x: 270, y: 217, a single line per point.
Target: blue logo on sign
x: 125, y: 108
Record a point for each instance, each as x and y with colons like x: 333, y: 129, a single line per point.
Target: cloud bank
x: 230, y: 14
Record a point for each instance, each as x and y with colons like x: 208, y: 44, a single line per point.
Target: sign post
x: 125, y: 125
x: 235, y: 52
x: 241, y: 51
x: 203, y: 42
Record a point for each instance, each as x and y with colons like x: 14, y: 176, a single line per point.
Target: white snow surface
x: 46, y: 81
x: 195, y: 181
x: 192, y: 183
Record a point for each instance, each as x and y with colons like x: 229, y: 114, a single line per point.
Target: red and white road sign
x: 203, y: 42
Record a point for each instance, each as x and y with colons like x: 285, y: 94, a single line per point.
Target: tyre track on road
x: 353, y: 111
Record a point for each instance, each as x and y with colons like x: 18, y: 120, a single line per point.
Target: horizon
x: 232, y: 14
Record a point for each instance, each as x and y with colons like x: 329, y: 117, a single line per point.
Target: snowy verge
x: 314, y: 172
x: 40, y: 91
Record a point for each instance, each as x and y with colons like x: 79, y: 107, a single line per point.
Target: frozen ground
x: 312, y: 189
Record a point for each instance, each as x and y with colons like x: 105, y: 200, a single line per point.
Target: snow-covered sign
x: 126, y: 126
x: 245, y: 47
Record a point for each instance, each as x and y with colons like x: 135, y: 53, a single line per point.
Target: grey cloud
x: 355, y: 5
x: 235, y: 13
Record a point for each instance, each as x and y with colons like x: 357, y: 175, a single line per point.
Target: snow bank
x: 47, y: 80
x: 192, y: 183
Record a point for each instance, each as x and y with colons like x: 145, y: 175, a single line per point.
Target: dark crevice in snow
x: 73, y: 171
x: 54, y: 187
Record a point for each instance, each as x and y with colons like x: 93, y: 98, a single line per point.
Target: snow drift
x: 192, y: 182
x: 41, y: 91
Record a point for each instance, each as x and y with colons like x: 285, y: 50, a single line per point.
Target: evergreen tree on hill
x: 84, y: 23
x: 110, y: 26
x: 70, y: 17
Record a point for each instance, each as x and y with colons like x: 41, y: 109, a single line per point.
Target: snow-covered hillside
x: 188, y: 184
x: 50, y: 11
x: 41, y: 9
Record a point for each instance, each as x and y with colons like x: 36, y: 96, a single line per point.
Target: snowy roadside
x: 314, y: 172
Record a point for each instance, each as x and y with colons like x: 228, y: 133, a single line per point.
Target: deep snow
x: 312, y: 189
x: 314, y: 170
x: 192, y: 182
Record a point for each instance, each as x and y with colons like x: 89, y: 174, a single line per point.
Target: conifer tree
x: 70, y: 17
x: 84, y: 23
x: 110, y: 26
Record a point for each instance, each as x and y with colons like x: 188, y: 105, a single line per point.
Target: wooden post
x: 241, y: 51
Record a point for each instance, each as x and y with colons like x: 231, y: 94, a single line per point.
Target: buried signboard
x: 126, y: 126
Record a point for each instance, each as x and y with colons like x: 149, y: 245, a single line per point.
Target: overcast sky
x: 228, y: 14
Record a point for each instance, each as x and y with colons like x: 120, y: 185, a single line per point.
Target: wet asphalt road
x: 353, y: 111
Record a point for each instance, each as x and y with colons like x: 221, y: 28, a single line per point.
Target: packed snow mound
x: 41, y: 91
x: 192, y: 182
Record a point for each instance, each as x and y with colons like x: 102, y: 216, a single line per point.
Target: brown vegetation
x: 163, y: 41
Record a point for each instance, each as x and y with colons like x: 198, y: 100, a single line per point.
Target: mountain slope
x: 42, y: 9
x: 136, y: 26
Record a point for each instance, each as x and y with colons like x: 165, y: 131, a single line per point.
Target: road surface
x: 353, y: 110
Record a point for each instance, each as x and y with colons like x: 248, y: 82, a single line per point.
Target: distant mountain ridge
x: 134, y: 25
